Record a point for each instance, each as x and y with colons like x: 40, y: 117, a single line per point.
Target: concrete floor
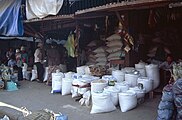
x: 36, y: 96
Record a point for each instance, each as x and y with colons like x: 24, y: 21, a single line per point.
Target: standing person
x: 24, y: 55
x: 39, y: 56
x: 19, y: 64
x: 9, y: 53
x: 54, y: 60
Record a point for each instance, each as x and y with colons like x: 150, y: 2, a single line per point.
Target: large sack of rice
x: 119, y: 75
x: 102, y: 54
x: 98, y: 85
x: 127, y: 101
x: 113, y: 49
x: 66, y: 86
x: 57, y: 82
x: 101, y: 59
x: 114, y: 43
x: 131, y: 79
x: 153, y: 73
x: 113, y: 37
x: 101, y: 102
x: 114, y: 94
x: 99, y: 50
x: 115, y: 54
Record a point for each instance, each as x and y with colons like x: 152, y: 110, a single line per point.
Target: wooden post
x: 126, y: 22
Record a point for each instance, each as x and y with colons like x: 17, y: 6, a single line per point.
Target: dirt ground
x: 36, y: 96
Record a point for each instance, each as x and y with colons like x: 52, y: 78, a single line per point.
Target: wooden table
x: 121, y: 63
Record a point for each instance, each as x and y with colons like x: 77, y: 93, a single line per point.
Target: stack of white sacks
x: 114, y: 45
x: 130, y: 87
x: 101, y: 55
x: 91, y: 56
x: 128, y: 91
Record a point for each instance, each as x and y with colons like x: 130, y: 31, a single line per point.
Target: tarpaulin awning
x: 42, y: 8
x: 10, y: 18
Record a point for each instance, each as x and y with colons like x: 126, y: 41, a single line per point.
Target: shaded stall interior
x: 166, y: 25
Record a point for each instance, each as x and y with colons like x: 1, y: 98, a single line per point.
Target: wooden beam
x: 30, y: 33
x: 119, y: 18
x: 38, y: 33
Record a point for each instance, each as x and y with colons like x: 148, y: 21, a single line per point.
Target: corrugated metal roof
x: 107, y: 9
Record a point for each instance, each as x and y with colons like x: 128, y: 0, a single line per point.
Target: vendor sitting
x: 165, y: 68
x: 168, y: 64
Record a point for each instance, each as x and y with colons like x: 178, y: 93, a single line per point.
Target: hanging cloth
x: 10, y: 18
x: 70, y: 45
x: 152, y: 21
x: 42, y: 8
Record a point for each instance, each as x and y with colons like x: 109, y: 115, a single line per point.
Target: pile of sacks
x: 101, y: 55
x: 90, y: 54
x: 114, y: 45
x: 106, y: 98
x: 128, y: 90
x: 131, y: 85
x: 171, y: 99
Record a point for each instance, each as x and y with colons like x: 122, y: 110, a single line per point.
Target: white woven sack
x: 46, y: 74
x: 113, y: 49
x: 114, y: 43
x: 74, y: 92
x: 90, y: 63
x: 113, y: 37
x: 24, y: 74
x: 140, y: 65
x: 99, y: 50
x: 140, y: 93
x: 97, y: 86
x: 131, y: 79
x: 114, y: 94
x: 101, y: 59
x: 91, y: 56
x: 127, y: 101
x: 152, y: 72
x: 123, y: 87
x: 69, y: 75
x: 119, y: 75
x: 103, y: 54
x: 34, y: 75
x: 66, y: 86
x: 146, y: 82
x: 102, y: 63
x: 101, y: 102
x: 142, y: 71
x: 80, y: 70
x: 114, y: 58
x: 115, y: 54
x: 57, y: 82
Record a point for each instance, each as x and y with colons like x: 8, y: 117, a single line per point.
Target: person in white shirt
x: 38, y: 60
x: 168, y: 64
x: 165, y: 68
